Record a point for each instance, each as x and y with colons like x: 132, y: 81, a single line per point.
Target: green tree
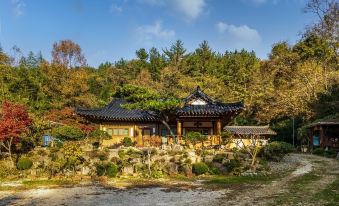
x: 150, y: 101
x: 176, y: 53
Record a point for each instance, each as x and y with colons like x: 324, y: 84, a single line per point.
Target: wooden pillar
x: 179, y: 133
x: 219, y: 130
x: 322, y: 138
x: 218, y: 127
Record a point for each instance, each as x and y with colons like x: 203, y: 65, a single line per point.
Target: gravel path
x: 98, y: 196
x: 244, y: 195
x: 265, y: 194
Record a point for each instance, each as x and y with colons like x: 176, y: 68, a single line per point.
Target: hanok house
x: 324, y: 134
x: 242, y: 134
x: 199, y: 113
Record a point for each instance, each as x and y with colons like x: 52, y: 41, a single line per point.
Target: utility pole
x: 293, y: 129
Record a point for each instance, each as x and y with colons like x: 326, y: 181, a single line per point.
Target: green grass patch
x: 224, y: 180
x: 32, y: 184
x: 37, y: 183
x: 297, y: 190
x: 330, y: 194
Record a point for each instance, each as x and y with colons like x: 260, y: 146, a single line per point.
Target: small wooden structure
x: 245, y: 134
x: 324, y: 134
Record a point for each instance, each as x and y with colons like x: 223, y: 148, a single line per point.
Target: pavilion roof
x: 208, y: 108
x: 250, y: 130
x: 114, y: 111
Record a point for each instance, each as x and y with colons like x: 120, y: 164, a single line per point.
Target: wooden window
x: 120, y: 131
x: 109, y: 132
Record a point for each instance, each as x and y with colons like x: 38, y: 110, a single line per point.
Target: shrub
x: 112, y: 170
x: 199, y: 168
x: 330, y: 153
x: 276, y: 150
x: 24, y: 164
x: 102, y: 155
x: 6, y: 170
x: 219, y: 158
x: 73, y: 155
x: 68, y: 133
x: 319, y: 151
x: 327, y: 153
x: 108, y: 169
x: 101, y: 169
x: 232, y: 165
x: 127, y: 142
x: 195, y: 137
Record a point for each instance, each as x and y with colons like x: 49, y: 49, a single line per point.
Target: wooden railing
x: 157, y: 141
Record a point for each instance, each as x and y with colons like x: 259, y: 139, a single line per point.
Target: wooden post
x: 179, y: 133
x: 322, y: 138
x: 219, y: 130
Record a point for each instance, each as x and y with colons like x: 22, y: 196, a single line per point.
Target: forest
x: 296, y: 85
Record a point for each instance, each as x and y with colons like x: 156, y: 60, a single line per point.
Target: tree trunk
x: 10, y: 150
x: 149, y: 161
x: 168, y: 129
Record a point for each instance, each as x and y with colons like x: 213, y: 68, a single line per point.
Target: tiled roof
x: 213, y: 109
x: 210, y: 108
x: 250, y: 130
x: 114, y: 111
x: 325, y: 122
x: 198, y: 94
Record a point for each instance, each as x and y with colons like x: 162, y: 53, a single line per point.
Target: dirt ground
x: 311, y: 174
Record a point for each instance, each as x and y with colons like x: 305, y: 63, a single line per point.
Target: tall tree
x: 327, y: 26
x: 176, y: 53
x: 157, y: 63
x: 14, y: 123
x: 68, y: 54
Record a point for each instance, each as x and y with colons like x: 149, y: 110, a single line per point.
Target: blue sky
x: 108, y: 30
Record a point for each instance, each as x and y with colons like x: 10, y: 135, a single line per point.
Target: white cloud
x: 155, y: 31
x: 190, y: 9
x: 116, y: 9
x: 18, y: 7
x: 242, y: 32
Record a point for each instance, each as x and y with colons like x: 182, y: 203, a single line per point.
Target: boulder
x: 208, y: 158
x: 85, y: 170
x: 127, y: 170
x: 177, y: 147
x: 172, y: 168
x: 187, y: 170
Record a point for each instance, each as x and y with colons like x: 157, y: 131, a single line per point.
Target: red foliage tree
x: 14, y: 122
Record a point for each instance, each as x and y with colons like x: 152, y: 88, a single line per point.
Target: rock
x: 187, y: 170
x: 208, y: 158
x: 127, y: 170
x: 177, y: 147
x: 249, y: 173
x: 85, y: 170
x: 177, y: 158
x: 172, y: 168
x: 192, y: 156
x: 135, y: 161
x: 166, y: 158
x: 225, y: 161
x: 230, y: 155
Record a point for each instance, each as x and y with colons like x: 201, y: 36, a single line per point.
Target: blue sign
x: 316, y: 141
